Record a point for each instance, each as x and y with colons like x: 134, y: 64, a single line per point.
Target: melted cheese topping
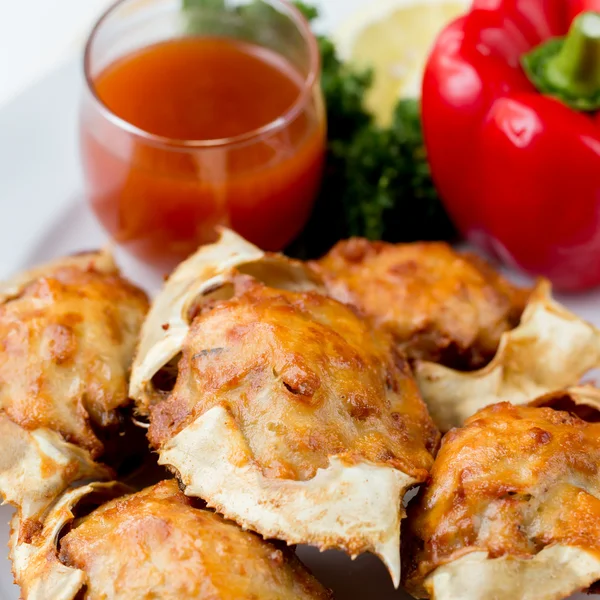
x: 304, y: 379
x: 440, y: 305
x: 155, y: 544
x: 67, y: 339
x: 514, y: 481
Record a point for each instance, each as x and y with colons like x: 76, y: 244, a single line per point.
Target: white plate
x: 44, y: 216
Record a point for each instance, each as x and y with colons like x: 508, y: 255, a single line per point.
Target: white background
x: 37, y: 35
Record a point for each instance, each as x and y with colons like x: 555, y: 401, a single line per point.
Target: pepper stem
x: 569, y: 68
x: 577, y: 66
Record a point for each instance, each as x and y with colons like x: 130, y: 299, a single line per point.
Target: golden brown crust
x: 155, y: 544
x: 305, y: 378
x: 513, y: 481
x: 440, y: 305
x: 66, y: 343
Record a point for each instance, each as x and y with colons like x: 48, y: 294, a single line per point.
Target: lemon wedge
x: 394, y: 38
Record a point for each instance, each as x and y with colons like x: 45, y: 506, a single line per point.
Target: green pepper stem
x: 576, y: 67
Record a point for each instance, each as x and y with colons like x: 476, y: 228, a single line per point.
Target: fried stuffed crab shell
x: 511, y: 510
x: 550, y: 350
x: 68, y: 331
x: 439, y: 305
x: 289, y: 414
x: 98, y: 544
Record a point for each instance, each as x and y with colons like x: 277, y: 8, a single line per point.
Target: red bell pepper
x: 510, y: 103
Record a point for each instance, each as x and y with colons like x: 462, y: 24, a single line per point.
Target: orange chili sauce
x: 162, y: 200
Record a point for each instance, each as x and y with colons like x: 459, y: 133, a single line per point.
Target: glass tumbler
x: 160, y: 197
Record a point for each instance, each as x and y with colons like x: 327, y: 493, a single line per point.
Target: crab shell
x: 37, y: 466
x: 36, y: 566
x: 352, y: 507
x: 555, y: 572
x: 581, y: 400
x: 550, y: 350
x: 99, y: 260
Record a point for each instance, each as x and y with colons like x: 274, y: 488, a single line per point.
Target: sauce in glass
x: 206, y: 161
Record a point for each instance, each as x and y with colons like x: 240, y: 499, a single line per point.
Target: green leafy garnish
x: 392, y: 196
x: 377, y: 180
x: 309, y: 11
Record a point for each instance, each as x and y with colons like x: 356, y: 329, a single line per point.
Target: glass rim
x: 280, y: 122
